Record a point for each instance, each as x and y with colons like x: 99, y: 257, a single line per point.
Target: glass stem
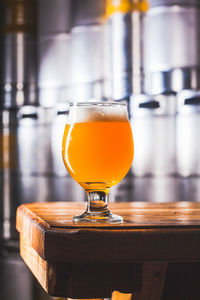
x: 97, y: 202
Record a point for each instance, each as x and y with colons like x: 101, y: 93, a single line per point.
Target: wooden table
x: 84, y: 261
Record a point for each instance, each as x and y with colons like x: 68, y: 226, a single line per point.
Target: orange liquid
x: 98, y: 154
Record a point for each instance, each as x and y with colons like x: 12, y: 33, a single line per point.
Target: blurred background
x: 59, y: 51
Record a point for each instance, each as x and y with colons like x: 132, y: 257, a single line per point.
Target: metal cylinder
x: 121, y: 54
x: 18, y: 57
x: 188, y: 141
x: 155, y: 3
x: 156, y: 189
x: 172, y: 48
x: 87, y: 66
x: 9, y: 191
x: 140, y: 7
x: 42, y: 173
x: 53, y: 43
x: 137, y: 53
x: 78, y: 70
x: 189, y: 188
x: 120, y: 46
x: 153, y: 125
x: 59, y: 11
x: 86, y: 13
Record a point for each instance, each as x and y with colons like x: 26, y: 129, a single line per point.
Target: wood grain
x: 92, y: 261
x: 39, y: 267
x: 151, y: 232
x: 135, y: 214
x: 81, y: 280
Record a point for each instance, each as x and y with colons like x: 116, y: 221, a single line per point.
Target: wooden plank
x: 149, y: 236
x: 136, y: 214
x: 124, y: 246
x: 32, y: 227
x: 81, y: 280
x: 153, y: 279
x: 38, y: 266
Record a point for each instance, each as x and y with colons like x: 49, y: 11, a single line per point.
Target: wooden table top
x: 151, y: 231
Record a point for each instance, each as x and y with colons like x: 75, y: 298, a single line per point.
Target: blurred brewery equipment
x: 188, y: 144
x: 119, y: 14
x: 171, y: 46
x: 146, y: 53
x: 18, y: 88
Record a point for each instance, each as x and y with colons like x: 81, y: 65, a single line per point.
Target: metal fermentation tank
x: 171, y: 46
x: 171, y: 42
x: 18, y: 87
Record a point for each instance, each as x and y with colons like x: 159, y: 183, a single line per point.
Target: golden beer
x: 98, y: 145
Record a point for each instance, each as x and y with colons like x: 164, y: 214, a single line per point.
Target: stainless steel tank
x: 139, y: 10
x: 154, y: 3
x: 42, y: 174
x: 87, y: 12
x: 153, y: 173
x: 156, y: 189
x: 125, y: 32
x: 18, y: 53
x: 153, y: 125
x: 120, y: 39
x: 18, y: 87
x: 187, y: 134
x: 137, y: 53
x: 9, y: 180
x: 172, y: 46
x: 76, y: 40
x: 189, y: 188
x: 53, y: 50
x: 34, y: 140
x: 87, y: 71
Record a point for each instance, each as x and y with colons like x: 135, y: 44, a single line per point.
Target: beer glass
x: 97, y: 151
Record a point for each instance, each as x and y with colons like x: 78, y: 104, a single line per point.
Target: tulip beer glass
x: 98, y: 152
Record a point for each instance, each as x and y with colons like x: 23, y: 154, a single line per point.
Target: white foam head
x: 98, y: 111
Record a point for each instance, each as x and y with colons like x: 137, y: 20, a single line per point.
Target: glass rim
x: 98, y: 103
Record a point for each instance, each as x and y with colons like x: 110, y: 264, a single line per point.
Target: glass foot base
x: 104, y: 218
